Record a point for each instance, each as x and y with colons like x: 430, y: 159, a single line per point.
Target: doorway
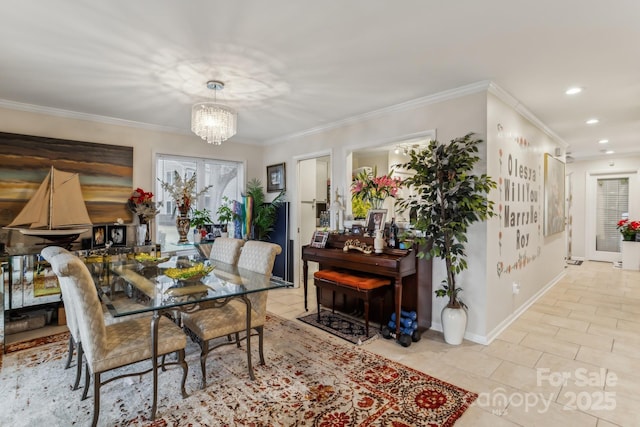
x: 314, y: 188
x: 608, y: 202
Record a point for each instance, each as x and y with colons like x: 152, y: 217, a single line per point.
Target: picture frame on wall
x: 98, y: 236
x: 117, y: 235
x: 554, y: 215
x: 375, y: 220
x: 276, y: 178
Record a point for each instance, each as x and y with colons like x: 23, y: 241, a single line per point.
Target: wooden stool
x: 353, y: 283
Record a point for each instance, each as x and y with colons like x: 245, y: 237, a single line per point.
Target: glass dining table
x: 132, y: 287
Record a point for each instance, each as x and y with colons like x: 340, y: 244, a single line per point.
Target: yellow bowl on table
x: 150, y: 260
x: 190, y: 274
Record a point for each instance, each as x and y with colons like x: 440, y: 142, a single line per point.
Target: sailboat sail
x: 57, y: 205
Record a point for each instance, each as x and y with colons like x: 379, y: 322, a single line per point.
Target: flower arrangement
x: 368, y: 187
x: 183, y: 191
x: 141, y: 204
x: 628, y: 228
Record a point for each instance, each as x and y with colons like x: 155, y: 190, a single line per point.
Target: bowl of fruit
x: 191, y: 274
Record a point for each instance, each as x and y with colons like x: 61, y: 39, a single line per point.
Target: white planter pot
x: 454, y: 323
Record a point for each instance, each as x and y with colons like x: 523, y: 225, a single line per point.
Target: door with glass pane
x: 611, y: 194
x: 226, y: 181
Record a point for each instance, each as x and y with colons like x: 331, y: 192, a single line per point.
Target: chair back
x: 226, y: 249
x: 258, y: 256
x: 74, y: 275
x: 48, y: 254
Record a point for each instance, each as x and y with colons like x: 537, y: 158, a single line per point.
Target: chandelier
x: 211, y: 121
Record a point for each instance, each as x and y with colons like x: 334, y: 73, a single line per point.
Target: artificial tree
x: 449, y: 197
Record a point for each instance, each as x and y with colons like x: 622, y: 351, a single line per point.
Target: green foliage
x: 200, y: 217
x: 264, y: 215
x: 224, y: 212
x: 449, y: 199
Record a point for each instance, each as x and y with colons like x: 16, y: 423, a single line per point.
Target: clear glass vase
x: 376, y: 203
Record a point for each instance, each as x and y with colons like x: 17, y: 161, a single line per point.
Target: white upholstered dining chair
x: 107, y: 347
x: 226, y: 249
x: 210, y: 323
x: 72, y: 324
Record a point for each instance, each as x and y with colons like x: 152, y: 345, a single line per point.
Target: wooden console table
x: 411, y: 275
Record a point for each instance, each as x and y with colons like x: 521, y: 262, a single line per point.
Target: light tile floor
x: 572, y: 359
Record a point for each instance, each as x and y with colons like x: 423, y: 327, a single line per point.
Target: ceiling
x: 294, y: 65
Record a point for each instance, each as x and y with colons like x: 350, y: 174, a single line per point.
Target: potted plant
x: 264, y: 214
x: 449, y: 198
x: 628, y: 229
x: 199, y: 218
x: 225, y: 214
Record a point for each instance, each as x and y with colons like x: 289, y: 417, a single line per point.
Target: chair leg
x: 162, y: 361
x: 86, y: 381
x: 366, y: 316
x: 333, y: 302
x: 185, y: 370
x: 96, y: 398
x: 78, y: 366
x: 381, y: 299
x: 318, y: 301
x: 204, y: 351
x: 70, y: 355
x: 260, y: 330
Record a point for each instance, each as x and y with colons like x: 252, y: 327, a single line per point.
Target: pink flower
x: 367, y: 186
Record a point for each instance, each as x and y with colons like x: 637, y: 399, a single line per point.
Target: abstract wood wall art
x: 106, y: 173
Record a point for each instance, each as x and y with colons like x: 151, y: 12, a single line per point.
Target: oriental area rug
x: 309, y: 380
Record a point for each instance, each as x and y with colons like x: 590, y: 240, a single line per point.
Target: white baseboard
x: 511, y: 318
x: 487, y: 339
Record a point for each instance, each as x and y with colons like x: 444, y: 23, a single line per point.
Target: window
x: 612, y: 204
x: 226, y: 178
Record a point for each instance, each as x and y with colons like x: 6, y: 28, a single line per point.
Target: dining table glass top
x: 137, y: 287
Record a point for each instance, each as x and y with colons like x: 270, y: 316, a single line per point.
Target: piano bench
x: 352, y: 283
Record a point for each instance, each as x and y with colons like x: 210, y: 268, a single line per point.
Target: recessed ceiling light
x: 573, y: 90
x: 609, y: 152
x: 592, y: 121
x: 603, y: 141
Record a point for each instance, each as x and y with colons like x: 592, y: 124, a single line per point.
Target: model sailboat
x: 56, y: 211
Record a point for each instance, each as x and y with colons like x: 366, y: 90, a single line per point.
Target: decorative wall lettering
x: 519, y: 185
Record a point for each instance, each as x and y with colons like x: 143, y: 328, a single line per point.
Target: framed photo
x: 319, y: 239
x: 375, y: 219
x: 276, y: 178
x: 99, y: 236
x: 117, y: 234
x: 553, y: 195
x: 357, y: 229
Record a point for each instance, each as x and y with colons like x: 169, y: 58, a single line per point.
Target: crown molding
x: 68, y: 114
x: 408, y: 105
x: 508, y: 99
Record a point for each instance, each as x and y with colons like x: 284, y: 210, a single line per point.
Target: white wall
x: 450, y: 118
x: 487, y: 293
x: 146, y: 143
x: 520, y: 253
x: 578, y: 172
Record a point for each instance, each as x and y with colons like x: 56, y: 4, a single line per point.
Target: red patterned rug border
x: 24, y: 345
